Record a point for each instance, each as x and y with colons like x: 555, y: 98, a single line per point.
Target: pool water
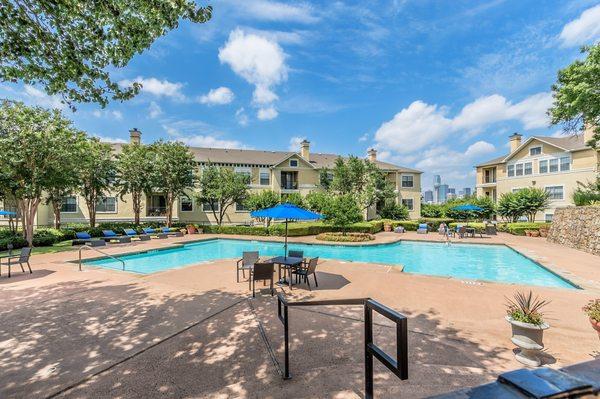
x: 465, y: 261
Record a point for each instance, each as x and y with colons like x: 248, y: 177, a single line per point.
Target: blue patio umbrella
x: 7, y: 213
x: 286, y: 212
x: 467, y: 208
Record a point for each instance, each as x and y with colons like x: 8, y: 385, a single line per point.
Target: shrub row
x: 520, y: 227
x: 349, y: 237
x: 41, y: 238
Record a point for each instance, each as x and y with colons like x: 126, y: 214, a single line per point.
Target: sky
x: 433, y: 85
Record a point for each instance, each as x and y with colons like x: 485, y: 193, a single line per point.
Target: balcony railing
x: 157, y: 211
x: 489, y: 180
x: 290, y: 185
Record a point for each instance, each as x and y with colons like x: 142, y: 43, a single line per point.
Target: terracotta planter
x: 528, y: 233
x: 595, y: 325
x: 387, y: 227
x: 529, y: 338
x: 191, y: 230
x: 543, y: 232
x: 535, y: 233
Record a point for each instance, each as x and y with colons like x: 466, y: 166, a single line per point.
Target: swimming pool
x: 466, y: 261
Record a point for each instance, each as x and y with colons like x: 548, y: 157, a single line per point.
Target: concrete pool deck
x: 193, y: 332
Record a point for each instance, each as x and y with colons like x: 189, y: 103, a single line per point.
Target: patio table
x: 288, y: 263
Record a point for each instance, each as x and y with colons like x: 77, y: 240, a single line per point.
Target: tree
x: 534, y: 200
x: 392, y: 210
x: 317, y: 201
x: 173, y: 171
x: 342, y: 211
x: 96, y: 174
x: 587, y: 193
x: 262, y: 200
x: 69, y: 47
x: 577, y: 95
x: 36, y: 144
x: 432, y: 210
x: 293, y: 198
x: 133, y: 168
x: 509, y: 207
x: 221, y: 188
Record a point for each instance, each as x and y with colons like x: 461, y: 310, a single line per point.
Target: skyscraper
x: 467, y: 191
x: 442, y: 193
x: 428, y: 197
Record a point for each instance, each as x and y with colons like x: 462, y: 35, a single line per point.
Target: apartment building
x: 555, y: 164
x: 285, y: 172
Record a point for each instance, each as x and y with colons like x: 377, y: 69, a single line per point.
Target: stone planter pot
x: 528, y: 233
x: 595, y: 325
x: 387, y: 227
x: 529, y: 338
x: 191, y: 230
x: 543, y: 232
x: 535, y: 233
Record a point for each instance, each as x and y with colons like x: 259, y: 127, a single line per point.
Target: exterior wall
x: 577, y: 227
x: 413, y: 193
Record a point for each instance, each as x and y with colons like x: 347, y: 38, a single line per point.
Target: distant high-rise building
x: 451, y: 190
x: 428, y: 197
x: 442, y: 193
x: 437, y: 181
x: 467, y: 191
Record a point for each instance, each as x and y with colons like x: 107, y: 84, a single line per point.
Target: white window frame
x: 209, y: 208
x: 540, y: 166
x: 293, y: 160
x: 557, y: 165
x: 516, y: 189
x: 560, y: 163
x: 519, y: 166
x: 412, y: 203
x: 508, y: 170
x: 239, y: 211
x: 412, y: 181
x: 525, y: 168
x: 268, y: 172
x: 76, y: 204
x: 554, y: 186
x: 181, y: 203
x: 116, y: 205
x: 546, y: 219
x: 532, y: 148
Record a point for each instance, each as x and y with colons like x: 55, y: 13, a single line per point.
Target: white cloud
x: 295, y: 143
x: 585, y: 29
x: 210, y: 141
x: 154, y: 110
x: 157, y: 88
x: 479, y: 148
x: 38, y: 97
x: 198, y: 134
x: 266, y: 10
x: 266, y: 114
x: 260, y: 61
x: 363, y: 138
x: 218, y: 96
x: 114, y: 114
x: 283, y: 37
x: 241, y: 117
x: 421, y: 124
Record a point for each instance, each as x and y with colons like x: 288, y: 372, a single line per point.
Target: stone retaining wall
x: 577, y: 227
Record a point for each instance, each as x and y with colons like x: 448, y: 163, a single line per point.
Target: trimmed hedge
x: 315, y: 228
x: 242, y: 230
x: 519, y: 228
x: 409, y: 225
x: 41, y: 238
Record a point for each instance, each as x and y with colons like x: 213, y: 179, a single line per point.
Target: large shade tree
x: 173, y: 172
x: 577, y: 95
x: 71, y: 47
x: 37, y: 144
x: 133, y: 167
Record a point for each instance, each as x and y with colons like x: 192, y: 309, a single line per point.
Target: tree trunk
x: 169, y: 199
x: 91, y: 205
x: 137, y: 207
x: 56, y: 208
x: 29, y: 209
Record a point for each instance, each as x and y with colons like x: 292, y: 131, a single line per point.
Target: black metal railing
x: 398, y: 366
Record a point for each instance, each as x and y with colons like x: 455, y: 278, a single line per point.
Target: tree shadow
x: 18, y: 275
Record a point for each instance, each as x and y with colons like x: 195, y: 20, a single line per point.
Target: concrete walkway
x: 193, y: 332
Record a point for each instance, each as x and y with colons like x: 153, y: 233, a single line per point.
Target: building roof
x: 567, y: 143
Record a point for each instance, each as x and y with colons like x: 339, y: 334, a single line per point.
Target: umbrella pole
x: 286, y: 235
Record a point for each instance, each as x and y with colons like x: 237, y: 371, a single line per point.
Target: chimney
x: 588, y: 132
x: 135, y: 136
x: 305, y: 149
x: 515, y: 141
x: 372, y: 154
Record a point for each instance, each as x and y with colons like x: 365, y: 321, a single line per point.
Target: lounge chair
x: 84, y: 238
x: 305, y: 272
x: 110, y: 236
x: 23, y: 257
x: 423, y: 228
x: 262, y: 271
x: 149, y: 231
x: 134, y: 234
x: 246, y: 263
x: 167, y: 231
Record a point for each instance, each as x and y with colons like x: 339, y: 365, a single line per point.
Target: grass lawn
x: 58, y: 247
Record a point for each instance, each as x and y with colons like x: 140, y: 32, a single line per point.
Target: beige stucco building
x: 556, y: 164
x: 284, y: 172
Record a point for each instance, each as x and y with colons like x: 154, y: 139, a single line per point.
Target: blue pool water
x: 466, y: 261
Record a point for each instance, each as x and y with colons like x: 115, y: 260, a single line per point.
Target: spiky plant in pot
x: 592, y: 309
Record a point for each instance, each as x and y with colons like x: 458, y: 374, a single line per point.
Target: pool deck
x: 193, y: 332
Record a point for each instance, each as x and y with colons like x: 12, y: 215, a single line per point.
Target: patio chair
x: 167, y: 231
x: 149, y: 231
x: 84, y: 238
x: 262, y: 271
x: 296, y: 254
x: 246, y: 263
x: 23, y: 257
x: 134, y: 234
x: 310, y: 269
x: 110, y: 236
x: 461, y: 231
x: 423, y: 228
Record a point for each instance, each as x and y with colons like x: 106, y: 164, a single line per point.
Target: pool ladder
x: 86, y: 246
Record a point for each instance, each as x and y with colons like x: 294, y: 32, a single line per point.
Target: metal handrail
x: 86, y: 246
x: 398, y: 366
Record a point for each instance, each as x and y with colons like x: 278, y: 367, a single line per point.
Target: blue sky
x: 434, y: 85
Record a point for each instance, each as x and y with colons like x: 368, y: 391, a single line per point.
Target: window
x: 519, y: 169
x: 528, y: 168
x: 106, y: 205
x: 548, y: 217
x: 407, y: 181
x: 187, y: 204
x: 553, y: 165
x: 69, y: 205
x: 565, y: 163
x: 511, y: 170
x: 294, y: 163
x: 535, y: 150
x: 265, y: 177
x: 544, y: 166
x: 244, y: 172
x: 289, y: 180
x: 206, y: 206
x: 516, y: 190
x: 408, y: 203
x: 556, y: 192
x: 240, y: 207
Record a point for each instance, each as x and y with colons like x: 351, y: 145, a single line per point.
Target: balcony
x: 289, y: 181
x: 156, y: 211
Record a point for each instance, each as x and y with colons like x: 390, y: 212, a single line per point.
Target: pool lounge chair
x: 134, y: 234
x: 167, y: 231
x: 246, y: 263
x: 111, y: 236
x: 150, y: 232
x: 84, y: 238
x: 23, y: 257
x: 423, y: 228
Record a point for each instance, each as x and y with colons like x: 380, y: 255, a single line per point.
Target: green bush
x: 242, y: 230
x: 432, y: 210
x: 519, y: 228
x: 391, y: 210
x: 349, y: 237
x: 409, y: 225
x: 434, y: 223
x: 315, y: 228
x: 16, y: 240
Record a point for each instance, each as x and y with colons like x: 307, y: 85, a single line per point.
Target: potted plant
x: 544, y: 230
x: 528, y: 233
x: 524, y: 314
x: 592, y: 309
x: 191, y: 229
x: 535, y: 233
